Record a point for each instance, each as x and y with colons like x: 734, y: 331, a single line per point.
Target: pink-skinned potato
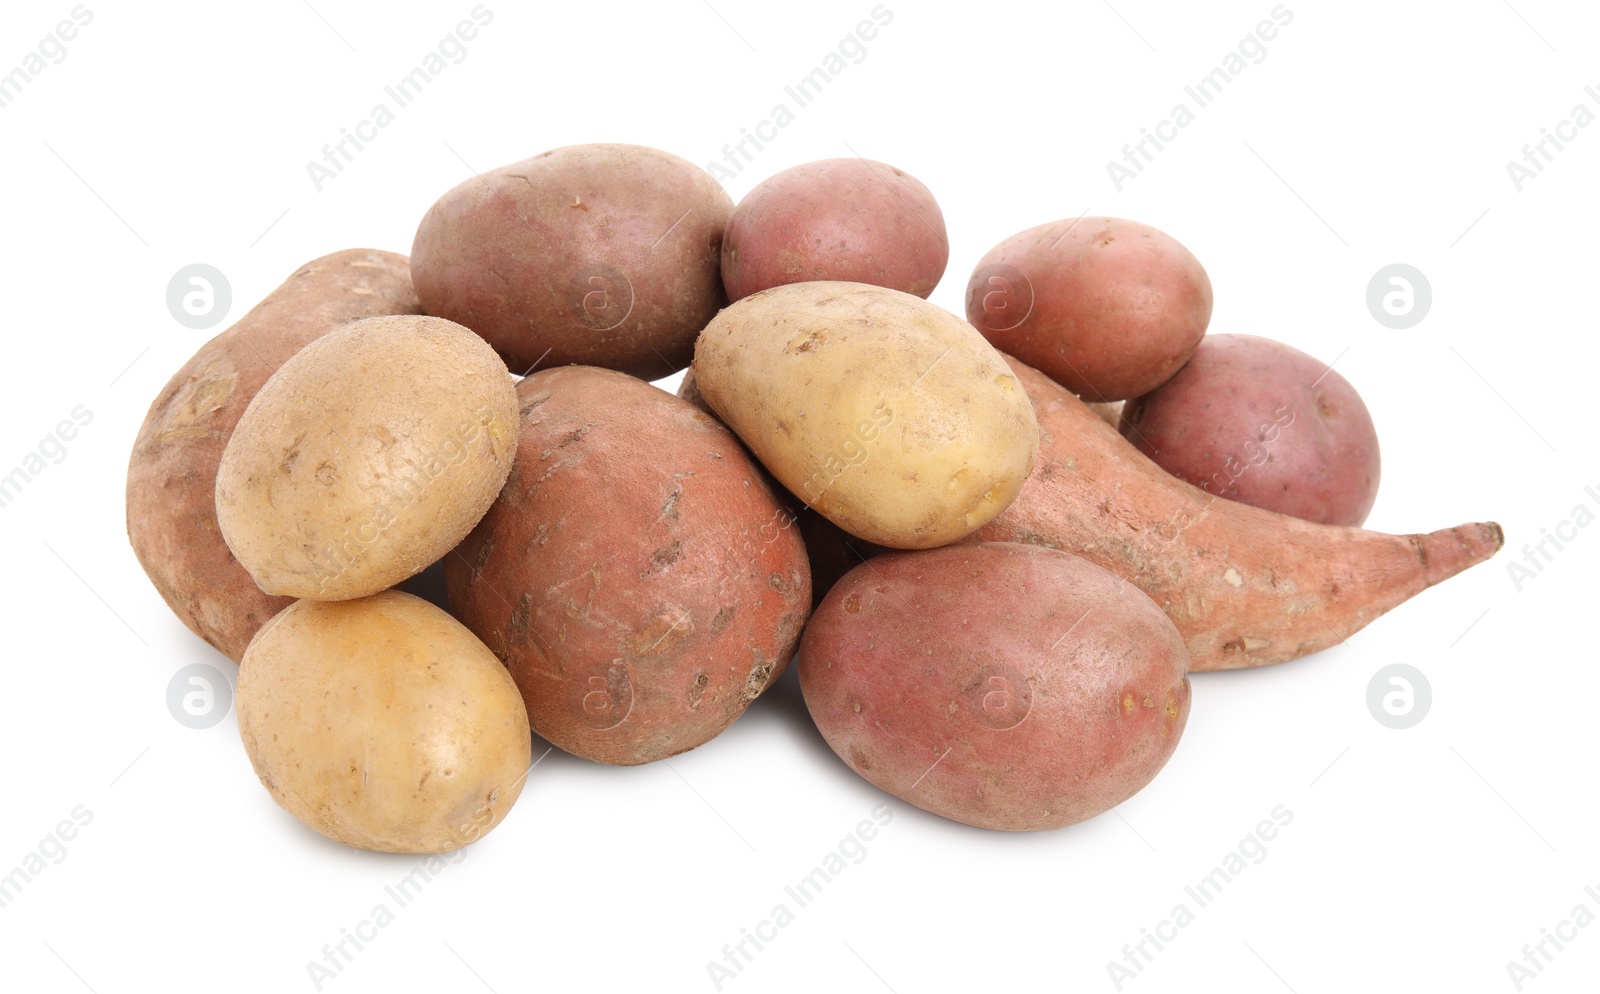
x: 603, y: 255
x: 1000, y: 685
x: 1107, y: 308
x: 847, y: 219
x: 1262, y: 423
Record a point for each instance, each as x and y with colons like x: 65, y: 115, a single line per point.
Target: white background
x: 1372, y: 133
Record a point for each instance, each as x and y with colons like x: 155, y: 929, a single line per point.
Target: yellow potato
x: 887, y: 414
x: 367, y: 456
x: 383, y: 723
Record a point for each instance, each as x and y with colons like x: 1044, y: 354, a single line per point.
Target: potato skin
x: 605, y: 255
x: 888, y: 415
x: 172, y: 471
x: 368, y: 455
x: 1003, y: 686
x: 838, y: 219
x: 1107, y: 308
x: 1262, y: 423
x: 383, y: 723
x: 638, y: 577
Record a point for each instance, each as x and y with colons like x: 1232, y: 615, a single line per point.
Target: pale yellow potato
x: 383, y: 723
x: 887, y: 414
x: 367, y: 456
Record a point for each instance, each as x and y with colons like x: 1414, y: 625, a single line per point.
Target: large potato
x: 172, y: 472
x: 1260, y: 422
x: 383, y: 724
x: 838, y: 219
x: 638, y: 576
x: 1107, y: 308
x: 367, y: 456
x: 1004, y: 686
x: 888, y: 415
x: 607, y: 255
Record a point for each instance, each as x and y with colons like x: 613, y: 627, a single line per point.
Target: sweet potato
x: 1245, y: 586
x: 172, y: 472
x: 637, y: 575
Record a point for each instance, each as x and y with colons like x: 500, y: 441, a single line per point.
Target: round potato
x: 172, y: 472
x: 605, y: 255
x: 839, y: 219
x: 1107, y: 308
x: 383, y: 724
x: 1262, y: 423
x: 638, y: 576
x: 1004, y: 686
x: 885, y: 413
x: 367, y: 456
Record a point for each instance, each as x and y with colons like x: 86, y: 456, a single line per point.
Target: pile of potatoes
x: 997, y: 545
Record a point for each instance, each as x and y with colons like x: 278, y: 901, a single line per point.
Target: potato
x: 839, y: 219
x: 383, y: 724
x: 1259, y: 422
x: 1107, y: 308
x: 607, y: 255
x: 172, y: 472
x: 367, y: 456
x: 889, y: 416
x: 1004, y: 686
x: 638, y: 576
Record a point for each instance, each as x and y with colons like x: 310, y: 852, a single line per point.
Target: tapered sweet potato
x: 172, y: 473
x: 1245, y: 587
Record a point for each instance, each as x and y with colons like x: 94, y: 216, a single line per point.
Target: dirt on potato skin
x: 172, y: 471
x: 1245, y: 586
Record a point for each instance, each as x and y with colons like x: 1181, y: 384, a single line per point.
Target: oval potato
x: 383, y: 723
x: 1003, y: 686
x: 638, y: 576
x: 1107, y: 308
x: 888, y: 415
x: 367, y: 456
x: 604, y: 255
x: 172, y: 472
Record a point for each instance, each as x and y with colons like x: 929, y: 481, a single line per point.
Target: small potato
x: 367, y: 456
x: 638, y: 575
x: 1004, y: 686
x: 1262, y: 423
x: 383, y: 723
x: 602, y: 255
x: 172, y: 472
x: 839, y: 219
x: 885, y: 413
x: 1107, y: 308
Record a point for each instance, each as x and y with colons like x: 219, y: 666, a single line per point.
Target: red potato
x: 1246, y: 587
x: 637, y: 575
x: 1257, y: 421
x: 852, y: 219
x: 172, y: 472
x: 1107, y: 308
x: 1005, y: 686
x: 607, y: 255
